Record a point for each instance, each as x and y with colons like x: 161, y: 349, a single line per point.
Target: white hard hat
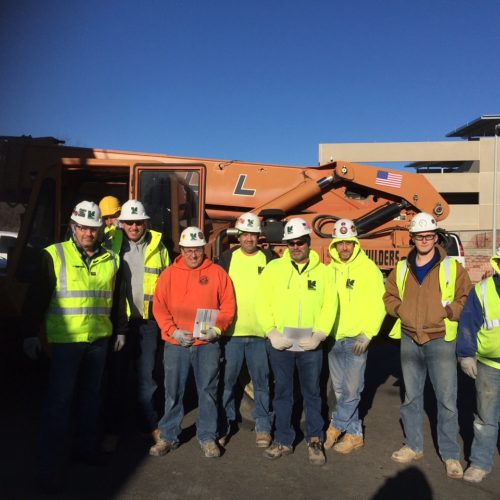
x: 87, y: 213
x: 192, y: 237
x: 295, y: 228
x: 344, y: 229
x: 423, y: 222
x: 248, y: 223
x: 133, y: 210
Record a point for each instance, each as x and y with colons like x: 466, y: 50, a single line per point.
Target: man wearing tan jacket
x: 427, y: 293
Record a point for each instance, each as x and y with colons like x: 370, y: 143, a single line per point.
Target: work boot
x: 316, y: 452
x: 474, y: 474
x: 277, y: 450
x: 262, y: 439
x: 210, y: 449
x: 156, y: 436
x: 454, y: 469
x: 332, y: 435
x: 406, y: 455
x: 110, y: 443
x: 348, y: 443
x: 161, y: 448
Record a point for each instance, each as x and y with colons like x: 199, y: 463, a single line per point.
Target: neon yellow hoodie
x: 360, y: 287
x: 288, y: 299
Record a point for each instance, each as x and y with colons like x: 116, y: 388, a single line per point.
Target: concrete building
x: 465, y: 172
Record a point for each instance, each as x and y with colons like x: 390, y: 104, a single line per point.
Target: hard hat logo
x: 134, y: 210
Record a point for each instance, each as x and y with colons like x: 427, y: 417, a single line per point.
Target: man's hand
x: 313, y: 341
x: 469, y: 366
x: 32, y: 347
x: 184, y: 337
x: 119, y: 343
x: 278, y: 341
x: 209, y: 334
x: 361, y: 344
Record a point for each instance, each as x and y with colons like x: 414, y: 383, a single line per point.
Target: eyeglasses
x: 138, y: 223
x: 86, y: 228
x: 296, y: 243
x: 424, y: 237
x: 193, y: 251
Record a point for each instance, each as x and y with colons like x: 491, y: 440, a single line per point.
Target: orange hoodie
x: 180, y: 291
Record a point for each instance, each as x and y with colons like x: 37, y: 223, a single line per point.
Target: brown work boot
x: 155, y: 435
x: 161, y: 448
x: 454, y: 469
x: 263, y: 439
x: 277, y: 450
x: 332, y: 435
x: 406, y: 455
x: 474, y: 474
x: 210, y: 449
x: 316, y: 452
x: 348, y: 443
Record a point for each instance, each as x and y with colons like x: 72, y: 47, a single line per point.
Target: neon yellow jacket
x: 360, y: 288
x: 288, y: 299
x: 80, y: 307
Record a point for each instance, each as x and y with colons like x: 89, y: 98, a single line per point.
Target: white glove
x: 313, y: 341
x: 119, y: 343
x: 361, y: 344
x: 209, y: 334
x: 184, y: 337
x: 32, y: 347
x: 278, y: 341
x: 469, y: 366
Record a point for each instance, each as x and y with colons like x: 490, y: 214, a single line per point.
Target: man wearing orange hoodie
x: 193, y: 284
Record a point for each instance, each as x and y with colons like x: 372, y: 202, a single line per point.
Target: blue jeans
x: 347, y: 371
x: 140, y: 351
x: 76, y: 370
x: 487, y: 417
x: 254, y: 351
x: 148, y: 338
x: 438, y: 359
x: 309, y: 364
x: 177, y: 361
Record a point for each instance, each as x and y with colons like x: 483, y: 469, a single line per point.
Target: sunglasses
x: 424, y: 237
x: 138, y: 223
x: 296, y: 243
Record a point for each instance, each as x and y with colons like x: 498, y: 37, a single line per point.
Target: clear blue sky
x: 257, y: 80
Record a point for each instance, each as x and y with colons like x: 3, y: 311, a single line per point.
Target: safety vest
x: 155, y: 261
x: 80, y: 307
x: 113, y: 238
x: 447, y: 281
x: 488, y: 338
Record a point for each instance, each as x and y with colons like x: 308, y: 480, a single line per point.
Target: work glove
x: 209, y: 334
x: 278, y: 341
x: 184, y: 337
x: 361, y: 344
x: 32, y: 347
x: 469, y: 366
x: 119, y: 343
x: 313, y: 341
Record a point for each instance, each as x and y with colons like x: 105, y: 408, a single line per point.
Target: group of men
x: 273, y: 313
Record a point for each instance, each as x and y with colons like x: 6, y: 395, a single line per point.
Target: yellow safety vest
x: 488, y: 338
x: 155, y: 261
x: 447, y: 281
x: 80, y: 306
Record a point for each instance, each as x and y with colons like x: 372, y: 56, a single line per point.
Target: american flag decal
x: 388, y: 179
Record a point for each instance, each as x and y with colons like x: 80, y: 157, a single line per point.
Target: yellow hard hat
x: 109, y: 205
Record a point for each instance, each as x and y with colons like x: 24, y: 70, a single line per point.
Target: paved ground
x: 242, y: 472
